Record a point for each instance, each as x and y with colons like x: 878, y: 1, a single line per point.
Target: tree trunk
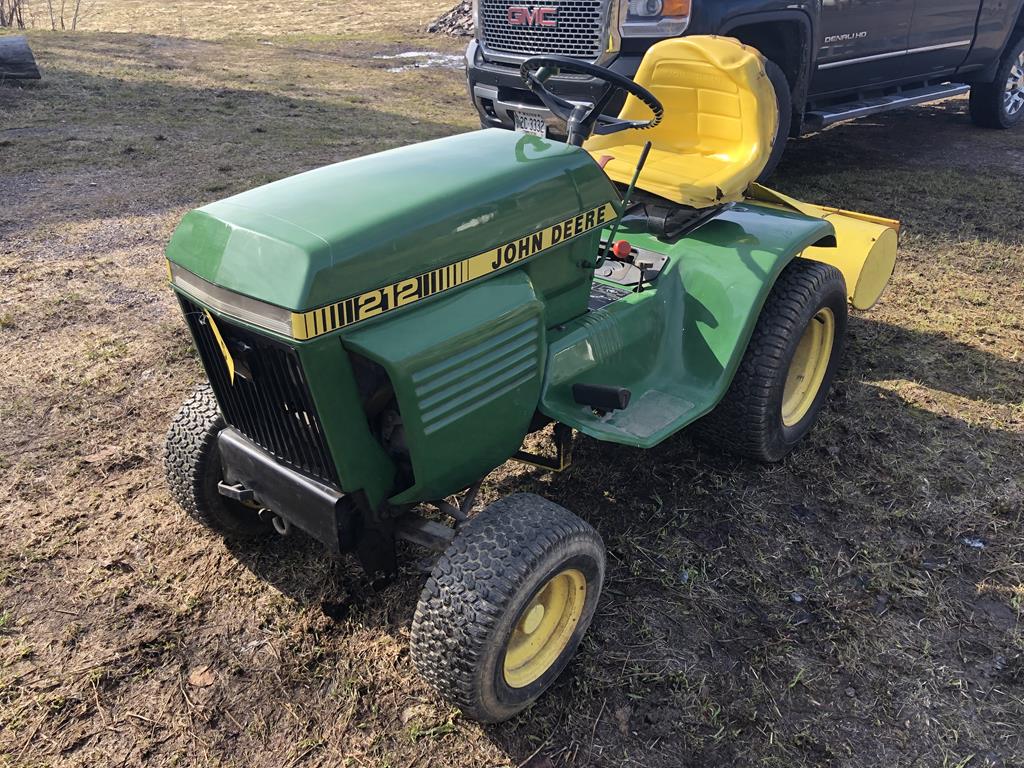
x: 16, y: 60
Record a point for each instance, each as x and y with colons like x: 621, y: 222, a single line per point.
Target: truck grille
x: 272, y: 406
x: 578, y: 31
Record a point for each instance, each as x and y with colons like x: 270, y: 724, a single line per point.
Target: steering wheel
x: 586, y: 119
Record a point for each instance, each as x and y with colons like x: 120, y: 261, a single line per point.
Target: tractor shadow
x: 884, y: 351
x: 718, y: 565
x: 305, y: 572
x: 706, y: 553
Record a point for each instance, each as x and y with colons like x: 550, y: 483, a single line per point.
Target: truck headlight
x: 656, y: 18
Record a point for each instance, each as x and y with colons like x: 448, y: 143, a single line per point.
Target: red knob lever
x: 621, y: 249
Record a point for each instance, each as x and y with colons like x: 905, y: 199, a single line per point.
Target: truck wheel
x: 192, y: 466
x: 506, y: 606
x: 784, y: 377
x: 784, y: 100
x: 1000, y: 104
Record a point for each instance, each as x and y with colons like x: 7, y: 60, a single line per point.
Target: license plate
x: 533, y: 124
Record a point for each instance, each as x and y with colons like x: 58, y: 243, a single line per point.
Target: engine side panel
x: 466, y: 372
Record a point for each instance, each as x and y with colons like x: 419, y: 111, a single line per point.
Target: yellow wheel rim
x: 545, y: 627
x: 808, y: 367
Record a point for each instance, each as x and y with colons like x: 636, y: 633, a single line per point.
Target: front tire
x: 193, y: 469
x: 1000, y: 104
x: 507, y: 605
x: 786, y: 372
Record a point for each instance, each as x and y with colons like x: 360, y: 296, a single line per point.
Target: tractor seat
x: 718, y: 128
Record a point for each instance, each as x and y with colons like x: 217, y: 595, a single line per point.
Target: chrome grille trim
x: 580, y: 30
x: 232, y: 304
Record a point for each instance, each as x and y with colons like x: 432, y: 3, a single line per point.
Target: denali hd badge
x: 538, y: 16
x: 845, y: 37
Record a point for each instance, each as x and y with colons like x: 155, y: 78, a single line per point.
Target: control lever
x: 625, y: 206
x: 643, y: 263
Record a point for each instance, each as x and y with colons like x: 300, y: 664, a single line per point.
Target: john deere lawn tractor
x: 380, y: 334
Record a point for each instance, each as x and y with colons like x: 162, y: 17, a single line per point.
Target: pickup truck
x: 829, y: 60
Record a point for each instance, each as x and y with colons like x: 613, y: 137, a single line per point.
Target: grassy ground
x: 856, y: 605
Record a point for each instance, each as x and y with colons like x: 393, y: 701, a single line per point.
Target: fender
x: 999, y: 25
x: 678, y: 347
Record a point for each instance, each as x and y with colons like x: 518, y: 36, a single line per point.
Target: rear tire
x: 785, y: 375
x: 193, y: 469
x: 784, y: 100
x: 1000, y: 104
x: 507, y: 605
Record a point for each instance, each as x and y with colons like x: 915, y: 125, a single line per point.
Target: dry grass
x: 857, y: 605
x: 215, y: 19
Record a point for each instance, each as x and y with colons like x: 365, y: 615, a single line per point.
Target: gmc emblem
x: 540, y: 16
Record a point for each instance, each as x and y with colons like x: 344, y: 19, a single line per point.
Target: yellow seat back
x: 719, y: 124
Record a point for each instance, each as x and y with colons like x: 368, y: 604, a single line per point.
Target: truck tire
x: 193, y: 469
x: 1000, y: 104
x: 784, y: 100
x: 784, y: 377
x: 506, y: 606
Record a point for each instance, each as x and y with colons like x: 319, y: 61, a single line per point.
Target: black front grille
x: 269, y: 401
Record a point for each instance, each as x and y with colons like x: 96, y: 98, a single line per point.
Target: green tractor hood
x: 310, y: 239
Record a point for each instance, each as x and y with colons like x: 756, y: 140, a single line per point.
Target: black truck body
x: 841, y: 58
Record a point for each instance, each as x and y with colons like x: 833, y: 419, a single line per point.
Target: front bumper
x: 497, y: 90
x: 318, y: 509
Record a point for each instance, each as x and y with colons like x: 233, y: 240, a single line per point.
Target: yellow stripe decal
x: 229, y: 361
x: 316, y: 322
